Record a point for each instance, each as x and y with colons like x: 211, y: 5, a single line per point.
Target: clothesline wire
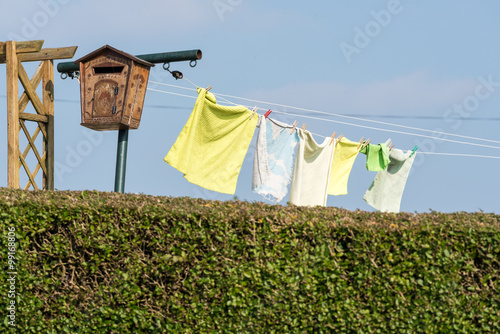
x: 461, y: 155
x: 181, y: 86
x: 374, y: 128
x: 420, y: 152
x: 365, y: 126
x: 333, y: 114
x: 171, y: 93
x: 393, y: 131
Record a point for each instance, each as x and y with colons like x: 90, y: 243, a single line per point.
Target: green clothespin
x: 413, y: 151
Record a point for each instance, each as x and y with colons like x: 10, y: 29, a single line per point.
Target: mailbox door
x: 105, y: 98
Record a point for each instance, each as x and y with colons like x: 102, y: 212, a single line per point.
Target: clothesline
x: 356, y: 125
x: 211, y: 148
x: 330, y: 114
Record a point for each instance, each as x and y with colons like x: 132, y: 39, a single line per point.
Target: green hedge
x: 91, y: 262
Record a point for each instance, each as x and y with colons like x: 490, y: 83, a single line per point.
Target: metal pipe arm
x: 155, y: 58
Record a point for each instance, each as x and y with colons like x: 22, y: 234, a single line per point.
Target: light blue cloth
x: 386, y: 190
x: 273, y: 159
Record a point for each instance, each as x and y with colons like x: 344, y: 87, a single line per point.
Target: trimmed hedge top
x: 105, y: 262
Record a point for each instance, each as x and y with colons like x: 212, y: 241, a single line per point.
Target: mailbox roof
x: 108, y: 47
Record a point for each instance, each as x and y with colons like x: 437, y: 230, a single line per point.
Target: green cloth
x: 212, y: 145
x: 386, y: 190
x: 376, y: 157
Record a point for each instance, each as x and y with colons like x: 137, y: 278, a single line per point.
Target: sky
x: 420, y: 64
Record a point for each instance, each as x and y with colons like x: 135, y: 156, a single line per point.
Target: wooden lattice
x: 14, y: 54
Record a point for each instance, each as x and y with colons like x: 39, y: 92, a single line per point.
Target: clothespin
x: 391, y: 145
x: 304, y: 127
x: 413, y: 151
x: 267, y: 113
x: 295, y: 123
x: 208, y: 88
x: 339, y: 138
x: 360, y: 142
x: 365, y: 144
x: 333, y: 137
x: 254, y: 110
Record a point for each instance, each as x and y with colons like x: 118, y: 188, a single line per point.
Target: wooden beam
x: 48, y: 143
x: 50, y: 54
x: 49, y: 161
x: 12, y: 115
x: 48, y: 86
x: 22, y: 47
x: 35, y: 81
x: 33, y: 117
x: 46, y: 54
x: 28, y: 88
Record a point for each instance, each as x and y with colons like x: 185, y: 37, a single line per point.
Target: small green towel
x: 376, y: 157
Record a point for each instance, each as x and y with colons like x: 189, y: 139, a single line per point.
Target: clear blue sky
x: 425, y: 64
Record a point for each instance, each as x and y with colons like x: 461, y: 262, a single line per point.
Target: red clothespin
x: 267, y: 113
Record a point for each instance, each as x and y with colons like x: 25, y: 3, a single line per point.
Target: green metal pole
x: 121, y: 161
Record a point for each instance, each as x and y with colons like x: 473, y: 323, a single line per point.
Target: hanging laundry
x: 346, y: 152
x: 273, y: 159
x: 311, y: 173
x: 386, y: 190
x: 376, y: 157
x: 212, y: 145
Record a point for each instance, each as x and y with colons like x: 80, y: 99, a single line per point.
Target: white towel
x: 273, y: 159
x: 311, y: 173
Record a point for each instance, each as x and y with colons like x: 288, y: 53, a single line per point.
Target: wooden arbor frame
x: 13, y: 54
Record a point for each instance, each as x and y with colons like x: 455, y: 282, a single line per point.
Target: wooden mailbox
x: 112, y: 89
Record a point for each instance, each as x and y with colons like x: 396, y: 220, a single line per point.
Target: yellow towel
x: 212, y: 145
x: 346, y: 152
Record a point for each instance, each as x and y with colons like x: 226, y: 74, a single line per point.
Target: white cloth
x: 311, y: 173
x: 387, y: 188
x: 273, y: 159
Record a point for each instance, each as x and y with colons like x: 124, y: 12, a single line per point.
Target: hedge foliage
x: 91, y: 262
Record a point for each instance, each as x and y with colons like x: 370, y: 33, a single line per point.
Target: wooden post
x: 13, y: 162
x: 48, y: 103
x: 49, y: 177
